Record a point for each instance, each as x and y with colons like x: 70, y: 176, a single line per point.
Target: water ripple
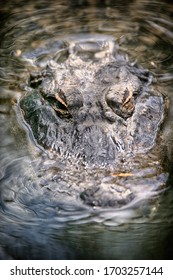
x: 33, y: 224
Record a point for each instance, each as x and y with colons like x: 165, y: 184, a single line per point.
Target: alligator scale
x: 100, y: 115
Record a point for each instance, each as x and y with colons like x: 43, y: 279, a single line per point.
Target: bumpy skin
x: 97, y: 109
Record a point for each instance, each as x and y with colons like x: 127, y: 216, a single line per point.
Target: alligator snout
x: 110, y: 197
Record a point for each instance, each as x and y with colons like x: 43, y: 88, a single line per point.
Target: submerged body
x: 94, y: 110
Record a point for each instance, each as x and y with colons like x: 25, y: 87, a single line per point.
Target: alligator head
x: 99, y: 109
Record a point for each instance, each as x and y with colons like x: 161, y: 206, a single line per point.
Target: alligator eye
x: 121, y: 102
x: 128, y: 107
x: 58, y: 103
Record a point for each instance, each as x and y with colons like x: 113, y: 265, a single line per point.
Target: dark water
x: 32, y: 225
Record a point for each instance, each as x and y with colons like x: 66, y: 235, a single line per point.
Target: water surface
x: 34, y: 226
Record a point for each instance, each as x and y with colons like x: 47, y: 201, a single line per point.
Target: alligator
x: 99, y: 115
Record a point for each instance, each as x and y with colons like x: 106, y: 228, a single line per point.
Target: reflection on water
x: 40, y: 224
